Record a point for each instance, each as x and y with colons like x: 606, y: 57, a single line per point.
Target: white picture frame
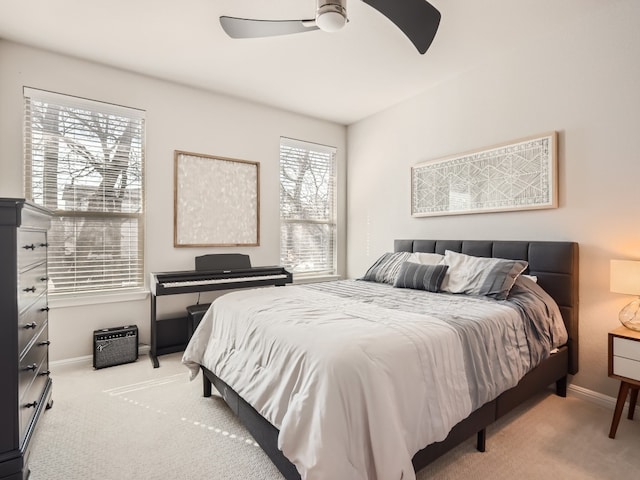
x: 518, y: 175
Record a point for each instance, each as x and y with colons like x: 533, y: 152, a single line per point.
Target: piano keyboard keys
x: 212, y: 281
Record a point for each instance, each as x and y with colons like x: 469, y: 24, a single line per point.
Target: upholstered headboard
x: 554, y: 263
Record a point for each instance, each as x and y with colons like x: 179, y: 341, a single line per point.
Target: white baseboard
x: 594, y: 397
x: 88, y: 359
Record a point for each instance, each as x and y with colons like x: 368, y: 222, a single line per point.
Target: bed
x: 407, y: 423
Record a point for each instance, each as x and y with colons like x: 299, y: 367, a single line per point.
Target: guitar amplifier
x: 115, y: 346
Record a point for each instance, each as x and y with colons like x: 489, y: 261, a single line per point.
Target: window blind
x: 84, y: 160
x: 307, y: 208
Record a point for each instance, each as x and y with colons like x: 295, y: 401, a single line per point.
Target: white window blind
x: 84, y: 161
x: 307, y: 208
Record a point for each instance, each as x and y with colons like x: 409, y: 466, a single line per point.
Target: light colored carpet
x: 135, y: 422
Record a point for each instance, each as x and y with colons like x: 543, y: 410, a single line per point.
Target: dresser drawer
x: 623, y: 347
x: 31, y: 361
x: 625, y: 367
x: 32, y: 284
x: 31, y: 321
x: 32, y: 247
x: 32, y: 397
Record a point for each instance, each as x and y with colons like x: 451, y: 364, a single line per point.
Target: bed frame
x: 556, y: 266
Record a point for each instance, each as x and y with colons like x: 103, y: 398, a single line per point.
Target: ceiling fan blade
x: 248, y: 28
x: 417, y: 19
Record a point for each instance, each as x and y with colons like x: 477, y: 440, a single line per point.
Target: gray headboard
x: 554, y: 263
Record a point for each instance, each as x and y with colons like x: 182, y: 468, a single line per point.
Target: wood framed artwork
x: 518, y: 175
x: 216, y: 201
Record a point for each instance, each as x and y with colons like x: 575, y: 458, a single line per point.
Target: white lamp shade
x: 625, y: 277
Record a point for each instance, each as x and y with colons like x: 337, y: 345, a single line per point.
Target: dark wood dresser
x: 25, y: 386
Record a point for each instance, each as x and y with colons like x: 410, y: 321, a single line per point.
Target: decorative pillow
x: 386, y: 268
x: 492, y: 277
x: 426, y: 258
x: 420, y: 277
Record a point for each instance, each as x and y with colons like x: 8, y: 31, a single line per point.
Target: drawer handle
x: 30, y: 325
x: 44, y: 309
x: 33, y: 367
x: 45, y: 343
x: 29, y: 289
x: 29, y: 247
x: 45, y: 373
x: 31, y: 405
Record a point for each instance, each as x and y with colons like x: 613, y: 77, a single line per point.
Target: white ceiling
x: 343, y: 77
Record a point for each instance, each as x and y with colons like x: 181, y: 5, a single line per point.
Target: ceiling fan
x: 417, y: 19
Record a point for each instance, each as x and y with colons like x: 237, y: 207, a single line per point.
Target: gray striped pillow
x: 386, y: 268
x: 491, y: 277
x: 421, y: 277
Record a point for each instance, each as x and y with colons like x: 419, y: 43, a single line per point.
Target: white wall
x: 178, y: 118
x: 584, y: 82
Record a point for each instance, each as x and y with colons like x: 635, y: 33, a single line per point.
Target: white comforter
x: 359, y: 376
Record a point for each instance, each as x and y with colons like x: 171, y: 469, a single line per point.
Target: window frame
x: 77, y: 295
x: 332, y: 222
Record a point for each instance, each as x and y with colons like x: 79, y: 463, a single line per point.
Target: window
x: 84, y: 161
x: 307, y: 208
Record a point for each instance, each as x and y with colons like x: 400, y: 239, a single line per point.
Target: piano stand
x: 167, y: 336
x: 154, y: 334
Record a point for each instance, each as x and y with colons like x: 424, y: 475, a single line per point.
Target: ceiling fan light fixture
x: 331, y: 15
x: 417, y: 19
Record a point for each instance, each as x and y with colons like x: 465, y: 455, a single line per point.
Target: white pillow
x: 425, y: 258
x: 491, y: 277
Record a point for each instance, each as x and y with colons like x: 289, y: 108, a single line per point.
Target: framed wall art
x: 519, y: 175
x: 216, y: 201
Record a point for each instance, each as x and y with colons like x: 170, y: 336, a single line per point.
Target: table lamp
x: 625, y: 278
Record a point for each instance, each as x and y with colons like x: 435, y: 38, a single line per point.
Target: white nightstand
x: 624, y: 365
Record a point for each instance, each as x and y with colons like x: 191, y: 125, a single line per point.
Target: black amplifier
x: 115, y: 346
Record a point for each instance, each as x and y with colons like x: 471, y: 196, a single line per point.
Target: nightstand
x: 624, y: 365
